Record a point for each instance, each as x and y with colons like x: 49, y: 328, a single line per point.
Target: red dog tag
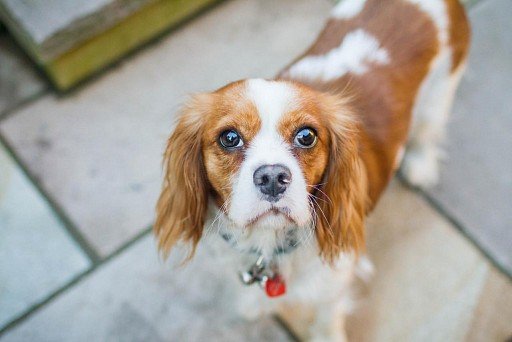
x: 275, y: 287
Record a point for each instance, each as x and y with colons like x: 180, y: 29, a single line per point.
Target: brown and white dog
x: 280, y: 174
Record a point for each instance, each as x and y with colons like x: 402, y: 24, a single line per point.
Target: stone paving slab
x: 18, y: 77
x: 135, y: 297
x: 493, y: 313
x: 98, y: 151
x: 55, y: 26
x: 476, y: 182
x: 37, y: 256
x: 430, y: 283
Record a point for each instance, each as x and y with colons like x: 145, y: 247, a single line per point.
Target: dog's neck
x: 270, y: 242
x: 288, y: 245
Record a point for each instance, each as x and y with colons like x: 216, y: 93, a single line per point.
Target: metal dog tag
x: 267, y: 276
x: 255, y: 273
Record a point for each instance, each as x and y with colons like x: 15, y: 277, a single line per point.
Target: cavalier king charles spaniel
x: 280, y: 174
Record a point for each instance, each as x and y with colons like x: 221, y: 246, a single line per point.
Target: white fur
x: 437, y: 10
x: 347, y: 9
x: 272, y: 100
x: 399, y: 157
x: 432, y: 106
x: 430, y: 115
x: 323, y: 289
x: 356, y: 53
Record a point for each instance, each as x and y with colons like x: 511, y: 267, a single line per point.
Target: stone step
x: 71, y: 40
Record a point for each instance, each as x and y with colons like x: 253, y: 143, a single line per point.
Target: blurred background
x: 88, y: 91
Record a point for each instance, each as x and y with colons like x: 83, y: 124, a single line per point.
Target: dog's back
x: 400, y: 60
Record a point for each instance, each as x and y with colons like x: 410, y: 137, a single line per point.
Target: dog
x: 279, y: 175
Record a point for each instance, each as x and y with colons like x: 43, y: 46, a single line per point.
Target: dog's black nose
x: 272, y: 180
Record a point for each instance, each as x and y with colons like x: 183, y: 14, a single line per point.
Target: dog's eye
x: 230, y: 139
x: 305, y: 138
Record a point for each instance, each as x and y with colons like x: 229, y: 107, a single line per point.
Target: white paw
x: 420, y: 167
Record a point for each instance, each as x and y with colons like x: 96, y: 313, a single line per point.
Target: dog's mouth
x: 272, y: 212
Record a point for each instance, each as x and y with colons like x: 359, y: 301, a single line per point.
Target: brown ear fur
x: 181, y: 208
x: 342, y: 209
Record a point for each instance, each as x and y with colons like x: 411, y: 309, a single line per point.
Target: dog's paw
x: 420, y: 167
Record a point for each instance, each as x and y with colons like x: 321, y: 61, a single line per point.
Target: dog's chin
x: 275, y: 218
x: 272, y: 218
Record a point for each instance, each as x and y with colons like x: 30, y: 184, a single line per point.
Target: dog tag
x: 275, y: 286
x: 254, y: 274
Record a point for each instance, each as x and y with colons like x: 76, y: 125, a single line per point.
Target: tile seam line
x: 32, y: 310
x: 282, y: 324
x: 450, y: 218
x: 11, y: 111
x: 69, y: 226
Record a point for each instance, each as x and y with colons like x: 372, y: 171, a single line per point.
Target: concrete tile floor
x: 431, y: 284
x: 37, y: 256
x: 137, y: 298
x: 475, y: 188
x: 103, y: 180
x: 18, y: 86
x: 429, y: 280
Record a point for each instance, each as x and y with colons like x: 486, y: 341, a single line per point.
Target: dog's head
x: 269, y: 155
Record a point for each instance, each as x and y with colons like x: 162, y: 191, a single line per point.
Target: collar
x: 266, y: 272
x: 291, y: 242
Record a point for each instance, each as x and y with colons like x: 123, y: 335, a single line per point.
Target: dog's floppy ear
x: 181, y: 208
x: 341, y: 212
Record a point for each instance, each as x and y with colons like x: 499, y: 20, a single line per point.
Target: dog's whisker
x: 220, y: 212
x: 319, y: 199
x: 327, y: 196
x: 329, y: 230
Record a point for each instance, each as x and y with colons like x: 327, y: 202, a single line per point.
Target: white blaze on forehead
x: 272, y: 100
x: 357, y: 52
x: 347, y: 9
x: 438, y: 11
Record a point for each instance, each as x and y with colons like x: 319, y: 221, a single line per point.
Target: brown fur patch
x: 308, y: 113
x: 197, y: 166
x: 343, y: 194
x: 460, y: 33
x: 332, y: 168
x: 384, y: 96
x: 231, y: 110
x: 383, y: 102
x: 181, y: 208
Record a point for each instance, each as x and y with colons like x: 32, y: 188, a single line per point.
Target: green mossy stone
x: 69, y: 56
